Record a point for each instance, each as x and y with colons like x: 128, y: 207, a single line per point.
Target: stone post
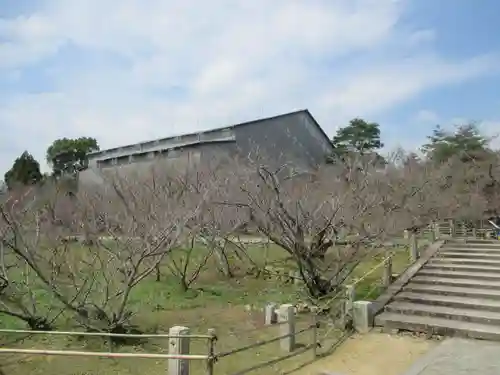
x: 452, y: 228
x: 286, y: 318
x: 436, y: 229
x: 178, y: 343
x: 405, y: 234
x: 433, y: 232
x: 350, y: 296
x: 413, y: 247
x: 387, y: 276
x: 270, y: 314
x: 315, y: 324
x: 297, y: 278
x: 362, y: 316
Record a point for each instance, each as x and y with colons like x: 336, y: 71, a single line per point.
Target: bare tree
x: 300, y: 214
x: 304, y: 213
x: 26, y: 269
x: 95, y: 280
x: 154, y: 212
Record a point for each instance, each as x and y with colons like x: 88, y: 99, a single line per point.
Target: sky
x: 125, y: 71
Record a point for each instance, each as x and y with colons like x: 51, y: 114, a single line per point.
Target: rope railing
x: 348, y: 292
x: 175, y: 346
x: 102, y: 354
x: 276, y: 360
x: 241, y: 332
x: 262, y: 342
x: 292, y: 350
x: 101, y: 334
x: 372, y: 270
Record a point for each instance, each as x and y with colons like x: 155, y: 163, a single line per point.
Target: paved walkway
x: 459, y: 357
x: 371, y: 354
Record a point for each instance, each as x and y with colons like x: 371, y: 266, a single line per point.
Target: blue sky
x: 130, y: 70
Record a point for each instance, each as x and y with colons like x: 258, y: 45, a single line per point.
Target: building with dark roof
x: 294, y: 138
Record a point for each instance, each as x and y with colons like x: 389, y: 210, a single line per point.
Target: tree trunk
x: 224, y: 265
x: 158, y: 272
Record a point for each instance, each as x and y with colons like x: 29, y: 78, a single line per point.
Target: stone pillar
x: 452, y: 228
x: 350, y: 296
x: 436, y: 229
x: 297, y: 278
x: 178, y: 344
x: 362, y: 316
x: 387, y: 276
x: 433, y: 232
x: 413, y: 247
x: 286, y: 318
x: 270, y: 316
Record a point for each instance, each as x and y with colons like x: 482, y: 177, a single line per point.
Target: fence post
x: 387, y: 276
x: 286, y: 318
x: 350, y: 296
x: 178, y: 344
x: 314, y: 312
x: 362, y: 316
x: 270, y: 314
x: 297, y: 278
x: 433, y: 232
x: 437, y: 230
x: 452, y: 228
x: 211, y: 351
x: 413, y: 247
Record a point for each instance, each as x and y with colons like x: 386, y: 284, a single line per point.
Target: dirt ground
x: 371, y: 354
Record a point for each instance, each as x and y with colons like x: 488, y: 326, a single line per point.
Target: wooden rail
x: 103, y: 354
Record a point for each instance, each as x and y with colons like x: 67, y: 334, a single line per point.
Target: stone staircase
x: 455, y: 293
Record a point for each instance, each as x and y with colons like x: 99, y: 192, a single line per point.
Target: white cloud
x: 163, y: 66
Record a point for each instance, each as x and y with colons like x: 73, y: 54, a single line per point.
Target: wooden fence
x: 179, y: 355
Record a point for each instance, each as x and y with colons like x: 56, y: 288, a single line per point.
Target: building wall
x: 291, y: 139
x: 149, y: 148
x: 178, y: 160
x: 294, y: 139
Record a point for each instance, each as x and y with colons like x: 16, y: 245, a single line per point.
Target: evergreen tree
x: 25, y: 171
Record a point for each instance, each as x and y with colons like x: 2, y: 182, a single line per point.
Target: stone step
x: 467, y: 261
x: 468, y: 254
x: 471, y: 250
x: 475, y: 283
x: 465, y: 315
x: 482, y: 241
x: 438, y: 326
x: 460, y: 267
x: 468, y: 245
x: 450, y: 301
x: 452, y: 291
x: 494, y: 276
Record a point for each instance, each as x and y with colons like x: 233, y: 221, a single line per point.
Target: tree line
x: 64, y: 155
x: 359, y: 137
x: 364, y: 138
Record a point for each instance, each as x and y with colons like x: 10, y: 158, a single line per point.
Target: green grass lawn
x: 213, y: 302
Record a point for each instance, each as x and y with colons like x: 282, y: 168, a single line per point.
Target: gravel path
x: 459, y: 357
x: 372, y: 354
